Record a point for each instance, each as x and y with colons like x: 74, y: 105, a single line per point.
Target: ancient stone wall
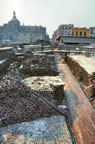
x: 19, y: 103
x: 87, y: 81
x: 39, y: 65
x: 6, y: 57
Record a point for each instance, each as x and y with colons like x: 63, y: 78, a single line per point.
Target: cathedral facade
x: 14, y: 32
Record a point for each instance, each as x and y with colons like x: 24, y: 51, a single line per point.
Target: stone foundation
x: 6, y: 57
x: 86, y: 80
x: 39, y: 65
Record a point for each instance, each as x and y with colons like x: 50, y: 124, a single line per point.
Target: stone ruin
x: 6, y: 58
x: 20, y: 103
x: 39, y: 65
x: 86, y: 80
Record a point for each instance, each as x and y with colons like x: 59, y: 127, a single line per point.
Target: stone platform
x: 83, y: 69
x: 88, y: 63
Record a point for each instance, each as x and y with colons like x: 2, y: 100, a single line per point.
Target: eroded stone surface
x: 49, y: 130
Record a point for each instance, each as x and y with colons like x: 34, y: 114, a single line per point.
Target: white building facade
x: 92, y: 32
x: 15, y: 32
x: 63, y: 30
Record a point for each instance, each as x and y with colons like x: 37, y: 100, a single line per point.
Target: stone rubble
x: 20, y: 99
x: 47, y: 86
x: 39, y: 65
x: 17, y: 104
x: 9, y: 57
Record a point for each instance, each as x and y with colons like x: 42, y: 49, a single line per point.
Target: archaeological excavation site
x: 47, y: 95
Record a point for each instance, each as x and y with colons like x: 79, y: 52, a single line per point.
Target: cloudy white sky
x: 49, y: 13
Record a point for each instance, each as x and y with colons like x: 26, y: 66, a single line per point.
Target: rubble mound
x: 18, y: 103
x: 27, y: 54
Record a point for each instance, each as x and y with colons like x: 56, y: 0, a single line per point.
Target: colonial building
x: 63, y: 30
x: 80, y: 32
x: 16, y: 33
x: 71, y: 31
x: 92, y: 32
x: 68, y: 34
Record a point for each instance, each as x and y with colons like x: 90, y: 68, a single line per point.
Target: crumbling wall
x: 87, y: 81
x: 19, y: 102
x: 39, y: 65
x: 8, y: 56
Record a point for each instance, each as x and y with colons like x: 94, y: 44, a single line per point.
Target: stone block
x: 58, y: 89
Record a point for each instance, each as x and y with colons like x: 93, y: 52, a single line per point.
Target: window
x: 84, y: 34
x: 76, y: 34
x: 72, y: 33
x: 93, y: 30
x: 69, y: 28
x: 80, y: 34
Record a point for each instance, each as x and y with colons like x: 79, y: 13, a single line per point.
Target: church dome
x: 14, y: 20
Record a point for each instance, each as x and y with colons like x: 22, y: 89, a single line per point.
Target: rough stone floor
x: 51, y: 130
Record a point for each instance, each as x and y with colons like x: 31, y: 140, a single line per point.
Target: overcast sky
x: 49, y: 13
